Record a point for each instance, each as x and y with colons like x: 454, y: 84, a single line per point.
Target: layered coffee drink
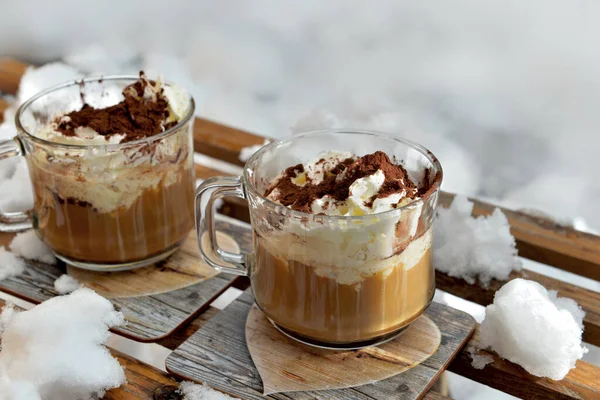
x: 116, y: 185
x: 350, y: 262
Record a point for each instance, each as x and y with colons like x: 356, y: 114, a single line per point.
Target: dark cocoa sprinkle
x: 134, y: 117
x: 337, y: 183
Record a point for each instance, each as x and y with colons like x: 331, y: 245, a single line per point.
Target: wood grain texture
x: 11, y: 72
x: 150, y: 317
x: 286, y: 365
x: 583, y: 382
x: 547, y: 242
x: 217, y: 354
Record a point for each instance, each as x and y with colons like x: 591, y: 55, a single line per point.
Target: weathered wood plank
x: 220, y: 141
x: 547, y: 242
x: 11, y: 72
x: 583, y: 382
x: 217, y: 354
x: 151, y: 317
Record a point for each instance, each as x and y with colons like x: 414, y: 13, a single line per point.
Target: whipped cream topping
x: 145, y: 108
x: 340, y: 183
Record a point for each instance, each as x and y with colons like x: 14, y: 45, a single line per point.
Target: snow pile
x: 473, y: 248
x: 66, y: 284
x: 10, y: 265
x: 479, y: 361
x: 55, y: 351
x: 530, y: 326
x: 28, y: 245
x: 192, y: 391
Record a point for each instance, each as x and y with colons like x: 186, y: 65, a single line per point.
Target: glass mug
x: 105, y: 207
x: 330, y: 281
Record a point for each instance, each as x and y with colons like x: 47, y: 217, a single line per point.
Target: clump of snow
x: 192, y: 391
x: 55, y: 351
x: 531, y: 327
x: 471, y: 248
x: 248, y: 151
x: 66, y: 284
x: 7, y: 313
x: 28, y: 245
x: 10, y: 265
x: 479, y: 361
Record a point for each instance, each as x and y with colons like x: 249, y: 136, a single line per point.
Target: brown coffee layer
x: 160, y: 218
x: 296, y: 298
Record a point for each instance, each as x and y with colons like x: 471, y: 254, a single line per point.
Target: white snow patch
x: 28, y: 245
x: 66, y: 284
x: 192, y: 391
x: 530, y: 326
x: 473, y: 248
x: 479, y: 361
x: 55, y: 351
x: 10, y: 265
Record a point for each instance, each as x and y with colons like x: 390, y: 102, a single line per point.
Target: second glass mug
x: 330, y: 281
x: 105, y: 207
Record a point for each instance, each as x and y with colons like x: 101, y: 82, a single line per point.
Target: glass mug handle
x: 207, y: 193
x: 12, y: 148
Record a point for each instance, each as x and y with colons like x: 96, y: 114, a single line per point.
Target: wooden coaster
x: 218, y: 355
x: 286, y: 365
x: 155, y: 300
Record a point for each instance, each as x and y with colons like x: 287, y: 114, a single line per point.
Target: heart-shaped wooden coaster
x: 286, y: 365
x: 184, y: 268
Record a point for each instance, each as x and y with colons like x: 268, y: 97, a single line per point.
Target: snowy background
x: 505, y: 93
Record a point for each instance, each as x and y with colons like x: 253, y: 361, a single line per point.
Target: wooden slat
x: 583, y: 382
x: 547, y: 242
x: 151, y: 316
x: 11, y: 72
x: 538, y: 240
x: 218, y: 140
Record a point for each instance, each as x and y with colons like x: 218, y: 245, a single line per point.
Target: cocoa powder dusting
x: 337, y: 182
x: 136, y: 117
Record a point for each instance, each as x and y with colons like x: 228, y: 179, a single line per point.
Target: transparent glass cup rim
x: 112, y: 146
x: 254, y: 161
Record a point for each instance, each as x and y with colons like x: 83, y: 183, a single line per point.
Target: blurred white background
x: 505, y: 93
